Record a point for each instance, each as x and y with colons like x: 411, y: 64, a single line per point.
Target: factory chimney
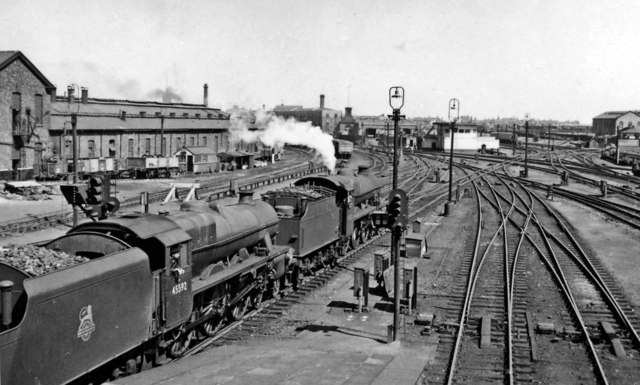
x: 206, y: 95
x: 321, y: 101
x: 347, y: 112
x: 53, y: 94
x: 84, y: 95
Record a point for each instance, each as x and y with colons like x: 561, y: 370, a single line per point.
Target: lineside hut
x: 197, y: 159
x: 232, y: 160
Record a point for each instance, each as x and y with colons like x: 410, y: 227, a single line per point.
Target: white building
x: 466, y: 137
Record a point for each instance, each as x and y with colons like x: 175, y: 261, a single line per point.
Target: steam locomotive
x: 154, y: 282
x: 322, y: 217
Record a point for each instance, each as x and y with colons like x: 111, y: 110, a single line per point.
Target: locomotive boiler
x: 151, y: 283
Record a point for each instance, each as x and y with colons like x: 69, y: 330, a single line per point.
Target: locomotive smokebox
x: 246, y: 197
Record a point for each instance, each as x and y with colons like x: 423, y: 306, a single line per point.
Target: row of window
x: 123, y: 115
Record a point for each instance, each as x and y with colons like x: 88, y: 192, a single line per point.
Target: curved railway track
x: 525, y: 274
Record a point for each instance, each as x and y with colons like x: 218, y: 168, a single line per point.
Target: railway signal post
x: 396, y: 101
x: 526, y: 145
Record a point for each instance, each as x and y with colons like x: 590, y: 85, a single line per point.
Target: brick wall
x: 17, y: 78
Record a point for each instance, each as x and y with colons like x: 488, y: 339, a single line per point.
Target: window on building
x: 172, y: 114
x: 68, y: 148
x: 178, y: 143
x: 215, y: 144
x: 197, y: 116
x: 38, y: 108
x: 192, y: 141
x: 23, y: 157
x: 16, y: 101
x: 112, y: 147
x: 204, y: 140
x: 147, y: 146
x: 143, y: 114
x: 130, y: 148
x: 163, y: 147
x: 185, y: 115
x: 91, y: 147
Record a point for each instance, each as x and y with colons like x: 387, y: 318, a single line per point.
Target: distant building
x: 25, y: 105
x: 607, y: 123
x: 466, y: 137
x: 325, y: 118
x: 378, y: 130
x: 349, y: 129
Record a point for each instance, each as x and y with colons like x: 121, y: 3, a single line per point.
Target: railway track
x: 506, y: 314
x: 218, y: 187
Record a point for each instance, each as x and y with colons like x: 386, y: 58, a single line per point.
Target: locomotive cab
x: 167, y: 247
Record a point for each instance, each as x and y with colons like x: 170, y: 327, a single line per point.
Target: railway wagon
x: 321, y: 217
x: 151, y: 283
x: 343, y: 148
x: 506, y: 137
x: 149, y: 167
x: 62, y: 168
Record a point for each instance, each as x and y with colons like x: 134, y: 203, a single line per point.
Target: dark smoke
x: 168, y: 95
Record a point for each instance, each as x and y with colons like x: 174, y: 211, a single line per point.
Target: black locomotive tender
x: 154, y: 282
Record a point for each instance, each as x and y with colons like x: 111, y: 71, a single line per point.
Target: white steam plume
x: 274, y: 131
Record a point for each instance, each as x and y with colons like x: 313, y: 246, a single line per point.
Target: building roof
x: 615, y: 114
x: 283, y: 108
x: 197, y: 150
x: 131, y: 107
x: 8, y: 57
x: 233, y: 154
x: 106, y: 122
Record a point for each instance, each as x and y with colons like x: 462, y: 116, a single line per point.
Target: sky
x: 553, y: 59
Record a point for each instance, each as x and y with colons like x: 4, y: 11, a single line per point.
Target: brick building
x: 125, y: 128
x: 35, y: 124
x: 25, y: 105
x: 325, y: 118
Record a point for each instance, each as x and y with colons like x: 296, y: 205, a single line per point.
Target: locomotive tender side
x: 74, y: 320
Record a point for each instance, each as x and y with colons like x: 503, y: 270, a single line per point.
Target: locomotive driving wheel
x: 354, y: 240
x: 238, y: 310
x: 211, y: 326
x: 364, y: 234
x: 256, y: 298
x: 180, y: 341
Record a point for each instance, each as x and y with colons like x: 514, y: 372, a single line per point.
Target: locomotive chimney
x: 246, y: 196
x: 321, y: 101
x: 206, y: 95
x: 85, y: 95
